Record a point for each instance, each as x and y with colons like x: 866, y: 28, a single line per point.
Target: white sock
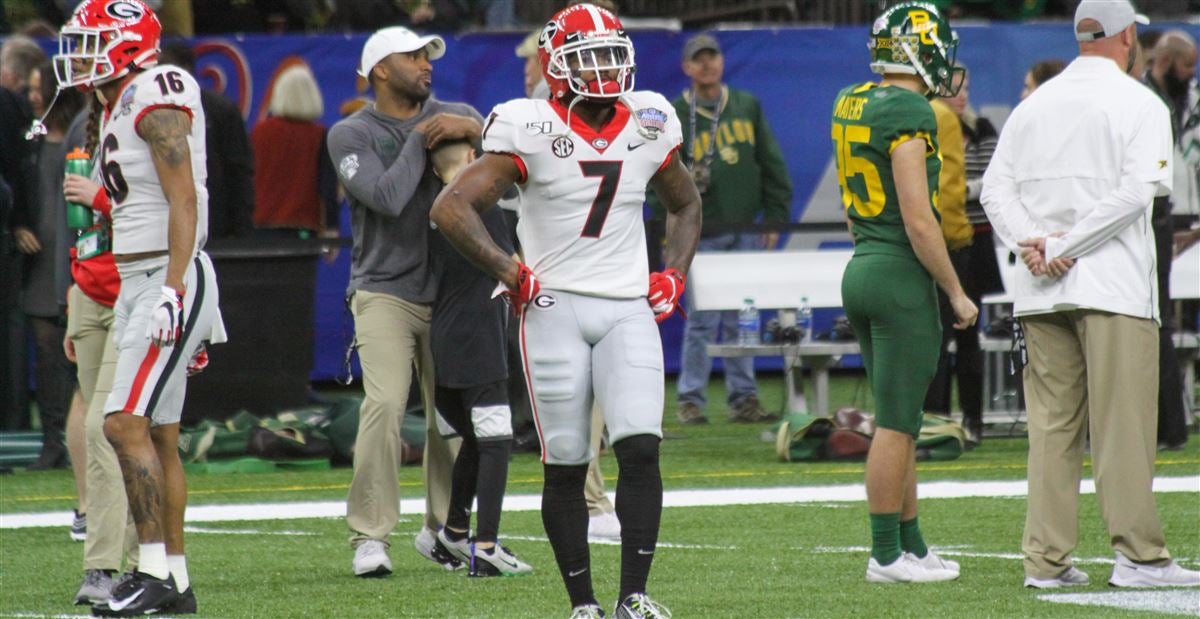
x: 178, y: 564
x: 152, y: 560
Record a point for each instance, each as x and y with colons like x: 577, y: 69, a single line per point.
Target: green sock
x: 911, y: 540
x: 885, y: 538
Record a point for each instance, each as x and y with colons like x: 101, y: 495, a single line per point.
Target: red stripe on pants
x: 135, y: 392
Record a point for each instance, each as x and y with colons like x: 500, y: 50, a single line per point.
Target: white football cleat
x: 428, y: 545
x: 460, y: 549
x: 900, y: 570
x: 935, y: 567
x: 497, y: 561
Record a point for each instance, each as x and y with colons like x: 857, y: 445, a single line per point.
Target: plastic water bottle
x: 804, y: 320
x: 748, y: 324
x: 79, y: 216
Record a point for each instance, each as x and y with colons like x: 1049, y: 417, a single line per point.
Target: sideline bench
x: 778, y: 280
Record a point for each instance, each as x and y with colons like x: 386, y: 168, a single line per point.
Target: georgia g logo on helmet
x: 122, y: 9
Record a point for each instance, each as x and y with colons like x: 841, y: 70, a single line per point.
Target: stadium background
x: 794, y: 69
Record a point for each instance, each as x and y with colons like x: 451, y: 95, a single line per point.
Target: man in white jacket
x: 1070, y: 188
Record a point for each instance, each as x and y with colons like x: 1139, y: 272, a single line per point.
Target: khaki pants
x: 110, y: 529
x: 392, y: 335
x: 593, y: 488
x: 1090, y: 373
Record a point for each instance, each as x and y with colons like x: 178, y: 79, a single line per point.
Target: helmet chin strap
x: 38, y: 127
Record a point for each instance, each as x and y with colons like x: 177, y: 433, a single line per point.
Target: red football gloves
x: 665, y: 289
x: 527, y: 289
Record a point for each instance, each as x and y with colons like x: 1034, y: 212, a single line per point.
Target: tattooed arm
x: 166, y: 131
x: 456, y: 213
x: 674, y: 187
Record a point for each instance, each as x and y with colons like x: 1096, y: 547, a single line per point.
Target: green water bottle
x: 79, y: 216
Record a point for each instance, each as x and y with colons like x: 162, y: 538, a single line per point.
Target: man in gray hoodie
x: 380, y: 153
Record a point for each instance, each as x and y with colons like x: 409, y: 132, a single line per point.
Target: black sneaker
x: 140, y: 594
x: 185, y: 604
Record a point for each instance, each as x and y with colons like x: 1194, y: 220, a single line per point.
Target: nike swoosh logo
x: 119, y: 605
x: 574, y: 573
x: 635, y: 146
x: 645, y: 552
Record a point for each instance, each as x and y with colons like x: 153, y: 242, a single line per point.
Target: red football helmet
x: 110, y: 37
x: 578, y: 48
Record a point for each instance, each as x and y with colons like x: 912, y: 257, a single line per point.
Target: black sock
x: 462, y: 485
x: 639, y: 508
x: 489, y: 488
x: 565, y: 516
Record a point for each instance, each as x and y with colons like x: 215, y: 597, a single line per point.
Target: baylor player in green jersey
x: 885, y: 140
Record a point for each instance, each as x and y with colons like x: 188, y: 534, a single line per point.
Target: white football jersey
x: 139, y: 208
x: 582, y: 191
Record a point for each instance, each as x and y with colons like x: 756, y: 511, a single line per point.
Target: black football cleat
x: 140, y: 594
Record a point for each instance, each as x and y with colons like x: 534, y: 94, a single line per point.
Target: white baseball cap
x: 397, y: 40
x: 1113, y: 15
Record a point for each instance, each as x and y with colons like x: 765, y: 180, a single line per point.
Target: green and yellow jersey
x: 869, y: 122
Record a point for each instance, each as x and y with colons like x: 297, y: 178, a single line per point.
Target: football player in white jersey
x: 151, y: 159
x: 582, y: 161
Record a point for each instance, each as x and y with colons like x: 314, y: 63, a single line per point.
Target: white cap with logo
x: 397, y: 40
x: 1114, y: 16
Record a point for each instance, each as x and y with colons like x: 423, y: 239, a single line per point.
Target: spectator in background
x: 1172, y: 66
x: 380, y: 155
x: 230, y: 163
x: 15, y: 117
x: 43, y: 238
x: 739, y: 169
x: 18, y: 57
x: 1040, y: 73
x: 1071, y: 187
x: 967, y: 363
x: 295, y: 187
x: 981, y: 272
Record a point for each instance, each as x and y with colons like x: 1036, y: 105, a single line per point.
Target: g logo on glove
x: 665, y: 289
x: 166, y: 321
x: 527, y: 289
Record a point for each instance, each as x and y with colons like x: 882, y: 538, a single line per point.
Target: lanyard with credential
x: 702, y: 169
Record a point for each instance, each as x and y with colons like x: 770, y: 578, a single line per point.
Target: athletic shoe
x: 640, y: 606
x: 750, y: 411
x: 932, y: 562
x: 460, y: 549
x: 1126, y: 573
x: 900, y: 570
x: 689, y: 414
x: 371, y: 560
x: 604, y: 526
x: 79, y: 527
x: 428, y: 545
x: 97, y: 587
x: 1071, y: 577
x: 142, y: 594
x: 185, y: 604
x: 589, y: 611
x: 496, y: 561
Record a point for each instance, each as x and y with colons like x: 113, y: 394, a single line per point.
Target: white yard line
x: 674, y: 498
x: 1171, y: 601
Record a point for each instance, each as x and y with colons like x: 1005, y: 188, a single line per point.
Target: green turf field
x: 774, y: 560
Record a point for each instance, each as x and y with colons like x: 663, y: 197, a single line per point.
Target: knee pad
x: 566, y: 448
x: 637, y: 452
x: 492, y: 421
